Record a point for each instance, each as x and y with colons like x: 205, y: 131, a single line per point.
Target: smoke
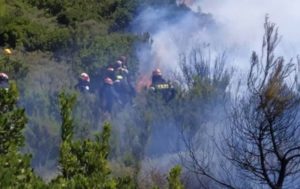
x: 173, y: 31
x: 242, y: 22
x: 235, y: 27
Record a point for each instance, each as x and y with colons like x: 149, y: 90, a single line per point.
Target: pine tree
x: 15, y: 170
x: 83, y: 164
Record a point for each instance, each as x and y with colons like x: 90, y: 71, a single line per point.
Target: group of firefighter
x: 116, y: 89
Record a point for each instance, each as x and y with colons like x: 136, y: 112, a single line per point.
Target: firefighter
x: 157, y: 77
x: 4, y: 81
x: 6, y: 55
x: 83, y: 84
x: 121, y: 68
x: 119, y: 87
x: 110, y: 73
x: 123, y: 59
x: 123, y: 71
x: 118, y: 64
x: 123, y: 88
x: 109, y: 95
x: 161, y: 86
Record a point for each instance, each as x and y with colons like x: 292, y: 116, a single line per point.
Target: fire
x: 143, y: 82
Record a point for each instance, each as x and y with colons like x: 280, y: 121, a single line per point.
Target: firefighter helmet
x: 85, y: 77
x: 4, y: 76
x: 108, y: 81
x: 156, y: 72
x: 110, y: 69
x: 119, y: 63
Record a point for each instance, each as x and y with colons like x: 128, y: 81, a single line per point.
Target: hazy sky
x: 241, y: 21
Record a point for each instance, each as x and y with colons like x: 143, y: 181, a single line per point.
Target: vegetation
x: 261, y: 142
x: 55, y: 139
x: 174, y: 178
x: 82, y: 164
x: 51, y: 43
x: 16, y: 171
x: 270, y: 123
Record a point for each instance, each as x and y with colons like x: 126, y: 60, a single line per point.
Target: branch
x: 199, y: 169
x: 291, y: 150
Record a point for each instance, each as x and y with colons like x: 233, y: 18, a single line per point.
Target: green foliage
x: 126, y: 183
x: 103, y: 50
x: 21, y: 31
x: 12, y: 66
x: 53, y: 6
x: 45, y: 38
x: 66, y: 104
x: 115, y: 13
x: 15, y: 169
x: 2, y: 8
x: 174, y: 178
x: 83, y: 163
x: 12, y: 120
x: 57, y: 40
x: 16, y: 172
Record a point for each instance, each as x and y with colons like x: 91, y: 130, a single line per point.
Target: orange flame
x: 143, y: 82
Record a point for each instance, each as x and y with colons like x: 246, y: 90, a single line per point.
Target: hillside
x: 52, y: 42
x: 134, y: 94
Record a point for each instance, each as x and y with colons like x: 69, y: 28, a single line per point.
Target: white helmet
x: 85, y: 77
x: 119, y: 62
x: 4, y: 76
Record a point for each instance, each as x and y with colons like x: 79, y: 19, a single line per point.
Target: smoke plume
x: 173, y: 31
x: 235, y: 27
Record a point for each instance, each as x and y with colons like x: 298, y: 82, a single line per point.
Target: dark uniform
x: 83, y: 84
x: 110, y: 73
x: 124, y: 85
x: 161, y: 86
x: 109, y: 95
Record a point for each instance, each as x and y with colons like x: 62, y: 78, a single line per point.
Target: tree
x: 84, y: 163
x: 15, y: 170
x: 264, y: 134
x: 12, y: 120
x: 262, y: 140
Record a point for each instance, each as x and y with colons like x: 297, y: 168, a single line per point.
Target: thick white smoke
x: 173, y: 32
x: 238, y: 30
x: 241, y: 23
